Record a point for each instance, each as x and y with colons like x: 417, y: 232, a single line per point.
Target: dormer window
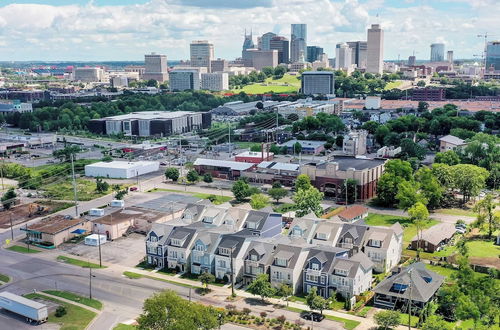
x: 321, y: 236
x: 348, y: 240
x: 427, y: 279
x: 153, y: 239
x: 296, y: 231
x: 280, y: 262
x: 252, y: 225
x: 375, y: 243
x: 341, y: 272
x: 314, y: 266
x: 224, y: 251
x: 254, y: 257
x: 208, y: 220
x: 199, y: 247
x: 176, y: 242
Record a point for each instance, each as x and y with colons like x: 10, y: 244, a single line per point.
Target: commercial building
x: 307, y: 107
x: 270, y: 172
x: 217, y: 81
x: 262, y: 58
x: 255, y: 157
x: 449, y: 56
x: 428, y: 94
x: 308, y: 147
x: 55, y: 230
x: 298, y: 42
x: 318, y: 82
x: 282, y: 45
x: 343, y: 57
x: 88, y: 74
x: 329, y: 177
x: 221, y: 168
x: 184, y: 79
x: 240, y: 108
x: 202, y: 54
x: 265, y: 41
x: 120, y: 169
x: 372, y: 102
x: 313, y: 53
x: 247, y: 44
x: 437, y: 52
x: 7, y: 107
x: 358, y: 53
x: 139, y: 69
x: 219, y: 65
x: 412, y: 60
x: 354, y: 143
x: 151, y: 123
x: 375, y: 49
x: 155, y: 67
x: 493, y: 55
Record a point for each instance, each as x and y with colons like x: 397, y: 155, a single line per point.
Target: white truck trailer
x: 32, y: 310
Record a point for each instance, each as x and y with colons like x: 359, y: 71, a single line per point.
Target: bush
x: 61, y: 311
x: 212, y: 198
x: 246, y: 311
x: 207, y: 177
x: 263, y: 315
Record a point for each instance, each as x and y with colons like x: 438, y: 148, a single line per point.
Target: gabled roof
x: 352, y: 212
x: 289, y: 252
x: 182, y: 233
x: 162, y: 231
x: 263, y: 249
x: 438, y: 233
x: 258, y: 217
x: 351, y: 265
x: 232, y: 241
x: 452, y: 140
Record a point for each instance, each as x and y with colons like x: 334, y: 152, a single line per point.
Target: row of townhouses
x: 332, y: 255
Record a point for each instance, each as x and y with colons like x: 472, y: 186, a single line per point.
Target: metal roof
x: 22, y: 300
x: 279, y: 166
x: 239, y: 166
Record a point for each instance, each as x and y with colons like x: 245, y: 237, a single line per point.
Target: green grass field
x: 76, y: 318
x: 393, y: 84
x: 466, y: 213
x: 22, y: 249
x: 403, y: 319
x: 286, y: 84
x: 78, y: 262
x: 122, y: 326
x: 137, y: 275
x: 64, y: 190
x: 76, y: 298
x: 132, y: 275
x: 483, y: 249
x: 218, y: 199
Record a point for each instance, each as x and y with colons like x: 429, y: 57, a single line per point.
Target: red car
x: 133, y: 189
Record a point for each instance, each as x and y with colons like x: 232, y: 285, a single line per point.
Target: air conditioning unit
x: 96, y: 212
x: 117, y: 203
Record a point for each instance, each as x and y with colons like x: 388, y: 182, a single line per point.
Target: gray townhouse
x: 287, y: 265
x: 384, y: 245
x: 257, y: 260
x: 352, y: 237
x: 352, y: 276
x: 327, y: 233
x: 263, y: 224
x: 203, y: 254
x: 156, y: 239
x: 304, y: 227
x: 229, y: 252
x: 179, y: 246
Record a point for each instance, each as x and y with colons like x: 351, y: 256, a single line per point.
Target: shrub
x: 262, y: 314
x: 246, y: 311
x: 281, y: 319
x: 61, y: 311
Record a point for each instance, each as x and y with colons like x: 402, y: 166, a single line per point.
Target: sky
x: 101, y: 30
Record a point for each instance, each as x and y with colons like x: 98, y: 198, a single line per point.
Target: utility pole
x: 1, y: 171
x: 74, y: 185
x: 11, y: 227
x: 277, y: 124
x: 409, y: 303
x: 27, y: 238
x: 232, y: 274
x: 99, y: 245
x: 90, y: 281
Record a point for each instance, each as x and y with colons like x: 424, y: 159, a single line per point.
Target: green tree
x: 261, y: 286
x: 399, y: 168
x: 297, y: 148
x: 207, y: 177
x: 107, y: 158
x: 8, y: 198
x: 206, y: 278
x: 302, y: 182
x: 469, y: 180
x: 172, y: 173
x: 387, y: 319
x: 444, y: 175
x: 285, y: 292
x: 419, y: 215
x: 120, y: 194
x: 436, y: 322
x: 421, y: 83
x: 192, y: 176
x: 275, y: 149
x: 277, y: 184
x: 430, y: 187
x: 241, y: 190
x: 316, y: 302
x: 387, y: 189
x: 307, y: 201
x: 256, y: 148
x: 423, y: 106
x: 449, y: 157
x: 259, y: 201
x: 277, y: 193
x: 64, y: 154
x: 371, y: 126
x: 485, y: 210
x: 409, y: 194
x: 101, y: 186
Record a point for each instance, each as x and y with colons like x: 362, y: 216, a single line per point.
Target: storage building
x: 120, y: 169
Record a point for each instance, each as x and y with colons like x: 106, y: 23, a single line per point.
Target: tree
x: 297, y: 148
x: 64, y: 154
x: 241, y: 190
x: 420, y: 216
x: 152, y: 83
x: 316, y: 302
x: 423, y: 106
x: 351, y: 186
x: 107, y: 158
x: 277, y: 184
x: 449, y: 157
x: 167, y: 311
x: 485, y: 210
x: 399, y: 168
x: 192, y: 176
x: 371, y: 126
x: 101, y: 186
x: 261, y: 287
x: 436, y: 322
x: 120, y: 194
x: 206, y: 278
x: 285, y: 292
x: 387, y: 189
x: 259, y: 201
x: 207, y: 177
x: 411, y: 149
x: 277, y: 193
x: 421, y: 83
x: 409, y: 194
x: 430, y: 187
x: 302, y: 182
x: 275, y: 149
x: 380, y: 133
x: 307, y: 201
x: 469, y: 180
x: 387, y: 319
x: 8, y: 198
x: 256, y: 148
x: 172, y: 173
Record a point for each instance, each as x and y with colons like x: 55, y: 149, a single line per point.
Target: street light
x: 90, y: 280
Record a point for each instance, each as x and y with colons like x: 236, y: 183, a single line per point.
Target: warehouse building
x: 151, y: 123
x: 120, y: 169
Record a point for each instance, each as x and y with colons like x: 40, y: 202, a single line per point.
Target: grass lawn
x: 393, y: 84
x: 78, y: 262
x: 286, y: 84
x: 22, y: 249
x: 364, y: 311
x: 348, y: 324
x: 76, y: 318
x: 195, y: 277
x: 483, y: 249
x: 64, y: 190
x: 466, y: 213
x: 246, y: 145
x: 4, y: 278
x: 122, y: 326
x: 218, y: 199
x: 129, y: 274
x: 76, y: 298
x: 132, y: 275
x: 403, y: 319
x: 445, y: 271
x: 285, y: 207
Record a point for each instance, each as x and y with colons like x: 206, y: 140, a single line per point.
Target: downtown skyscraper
x: 298, y: 42
x: 375, y: 49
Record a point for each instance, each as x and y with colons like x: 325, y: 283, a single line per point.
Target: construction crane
x: 483, y: 56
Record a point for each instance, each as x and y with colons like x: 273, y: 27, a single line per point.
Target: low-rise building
x: 120, y: 169
x: 434, y: 238
x: 270, y: 172
x: 308, y: 147
x: 318, y: 82
x: 353, y: 213
x: 287, y: 266
x: 55, y: 230
x: 254, y: 157
x: 450, y: 142
x: 216, y: 81
x: 7, y: 107
x: 223, y: 169
x: 354, y: 143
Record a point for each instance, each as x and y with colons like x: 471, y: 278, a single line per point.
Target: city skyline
x: 103, y: 30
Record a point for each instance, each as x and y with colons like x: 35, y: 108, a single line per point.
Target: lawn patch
x: 132, y: 275
x: 217, y: 199
x: 78, y: 262
x: 483, y: 249
x: 22, y: 249
x: 403, y: 319
x: 163, y: 280
x: 348, y: 324
x: 4, y: 278
x: 465, y: 213
x: 122, y: 326
x: 76, y: 298
x: 76, y: 318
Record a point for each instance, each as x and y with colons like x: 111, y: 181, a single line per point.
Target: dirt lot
x: 23, y: 213
x: 126, y: 251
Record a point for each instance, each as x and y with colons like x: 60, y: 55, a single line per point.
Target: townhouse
x: 156, y: 252
x: 229, y: 256
x: 179, y: 246
x: 287, y: 264
x: 257, y: 260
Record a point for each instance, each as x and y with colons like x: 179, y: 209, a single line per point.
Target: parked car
x: 461, y: 230
x: 316, y: 317
x: 133, y: 189
x: 163, y: 164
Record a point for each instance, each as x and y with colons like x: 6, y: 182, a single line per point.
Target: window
x: 222, y: 263
x: 375, y: 243
x: 175, y: 242
x: 199, y: 247
x: 348, y: 240
x: 254, y: 257
x: 280, y: 262
x: 312, y: 278
x: 208, y: 220
x: 341, y: 272
x: 159, y: 250
x: 321, y: 236
x: 252, y: 225
x: 314, y: 266
x: 153, y: 239
x: 322, y: 280
x: 173, y: 254
x: 296, y: 231
x: 278, y: 275
x: 224, y: 251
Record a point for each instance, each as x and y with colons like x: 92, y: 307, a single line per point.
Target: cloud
x: 239, y: 4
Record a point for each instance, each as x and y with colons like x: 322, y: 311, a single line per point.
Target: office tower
x: 437, y: 52
x: 184, y: 79
x: 493, y: 55
x: 358, y: 53
x: 313, y: 53
x: 247, y: 44
x: 88, y: 74
x: 219, y: 65
x: 318, y: 82
x: 449, y: 56
x: 298, y: 42
x: 202, y: 54
x: 412, y: 60
x: 263, y: 58
x: 375, y: 50
x: 215, y: 81
x: 155, y: 67
x: 282, y: 45
x: 265, y: 41
x: 343, y: 54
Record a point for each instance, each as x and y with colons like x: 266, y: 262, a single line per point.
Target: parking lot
x: 127, y: 251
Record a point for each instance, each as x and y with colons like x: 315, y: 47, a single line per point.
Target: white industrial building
x: 372, y: 102
x: 218, y: 81
x: 120, y: 169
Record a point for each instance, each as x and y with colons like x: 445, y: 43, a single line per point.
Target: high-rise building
x: 219, y: 65
x: 184, y: 79
x: 215, y: 81
x: 88, y: 74
x: 155, y: 67
x: 358, y: 53
x: 282, y: 45
x: 313, y: 53
x: 265, y: 41
x: 298, y: 42
x: 493, y: 55
x: 412, y: 60
x: 437, y: 52
x: 375, y: 49
x: 343, y: 57
x: 202, y: 54
x: 449, y: 56
x: 263, y: 58
x: 247, y: 44
x: 318, y: 82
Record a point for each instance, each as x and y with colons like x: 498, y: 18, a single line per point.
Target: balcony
x: 251, y: 263
x: 313, y: 272
x: 345, y: 245
x: 279, y: 280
